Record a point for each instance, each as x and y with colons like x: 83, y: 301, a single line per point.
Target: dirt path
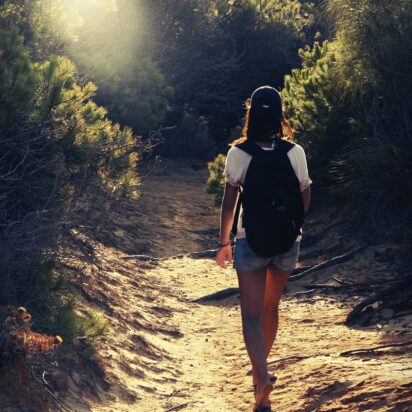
x: 167, y: 353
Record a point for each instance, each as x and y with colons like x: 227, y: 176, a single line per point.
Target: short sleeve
x: 298, y: 160
x: 237, y: 162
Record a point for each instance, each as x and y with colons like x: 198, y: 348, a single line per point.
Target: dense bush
x: 375, y: 63
x: 209, y: 52
x: 189, y: 137
x: 350, y: 104
x: 216, y: 180
x: 56, y: 144
x: 320, y: 116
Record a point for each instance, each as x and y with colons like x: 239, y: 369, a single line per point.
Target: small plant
x: 66, y: 320
x: 91, y: 329
x: 215, y: 183
x: 17, y: 340
x: 86, y: 330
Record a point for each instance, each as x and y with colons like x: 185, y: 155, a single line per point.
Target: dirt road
x: 167, y: 353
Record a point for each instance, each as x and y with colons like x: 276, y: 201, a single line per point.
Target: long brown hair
x: 285, y: 132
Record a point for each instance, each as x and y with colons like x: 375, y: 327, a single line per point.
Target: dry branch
x: 375, y: 348
x: 322, y: 286
x: 329, y: 263
x: 177, y: 407
x: 357, y: 310
x: 304, y: 292
x: 221, y: 294
x: 352, y: 284
x: 293, y: 357
x: 199, y: 254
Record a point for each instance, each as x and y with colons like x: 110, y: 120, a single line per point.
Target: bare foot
x: 262, y: 394
x: 273, y: 378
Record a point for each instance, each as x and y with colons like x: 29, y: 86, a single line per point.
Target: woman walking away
x: 270, y: 174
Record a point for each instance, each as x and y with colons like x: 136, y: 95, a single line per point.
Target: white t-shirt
x: 237, y: 163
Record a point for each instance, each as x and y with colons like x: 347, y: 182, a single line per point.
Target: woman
x: 261, y: 278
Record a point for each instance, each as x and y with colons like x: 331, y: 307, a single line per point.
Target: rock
x: 387, y: 313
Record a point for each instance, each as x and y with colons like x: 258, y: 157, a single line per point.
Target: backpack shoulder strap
x: 284, y: 146
x: 249, y: 147
x: 237, y: 213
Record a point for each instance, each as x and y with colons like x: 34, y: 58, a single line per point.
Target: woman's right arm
x: 226, y: 219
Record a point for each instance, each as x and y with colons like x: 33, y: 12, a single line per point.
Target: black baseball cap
x: 265, y: 114
x: 266, y: 99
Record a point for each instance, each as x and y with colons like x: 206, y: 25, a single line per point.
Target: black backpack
x: 272, y: 202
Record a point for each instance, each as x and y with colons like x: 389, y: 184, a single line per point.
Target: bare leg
x: 252, y: 292
x: 275, y: 283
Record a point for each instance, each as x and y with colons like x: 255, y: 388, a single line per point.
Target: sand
x: 168, y: 353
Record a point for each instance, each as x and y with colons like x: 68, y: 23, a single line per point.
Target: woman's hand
x: 224, y: 253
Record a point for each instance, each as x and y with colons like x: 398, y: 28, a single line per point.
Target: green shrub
x: 370, y: 177
x: 91, y: 329
x: 216, y: 181
x: 190, y: 137
x: 46, y: 288
x: 320, y: 117
x: 65, y: 321
x: 84, y: 329
x: 355, y: 128
x: 55, y: 144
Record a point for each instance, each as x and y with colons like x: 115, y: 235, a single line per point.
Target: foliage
x: 215, y: 183
x: 375, y: 63
x: 91, y: 329
x: 110, y: 49
x: 374, y: 71
x: 211, y: 52
x: 136, y: 95
x: 56, y: 144
x: 320, y: 117
x: 350, y: 105
x: 370, y: 174
x: 190, y: 137
x: 86, y: 330
x: 355, y: 128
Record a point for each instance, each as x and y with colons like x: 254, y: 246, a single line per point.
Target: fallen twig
x: 402, y: 314
x: 60, y: 405
x: 141, y: 257
x: 177, y: 407
x: 329, y: 263
x: 201, y: 253
x: 293, y: 357
x: 302, y: 269
x: 375, y: 348
x: 304, y: 292
x: 221, y: 294
x: 351, y: 284
x: 322, y: 286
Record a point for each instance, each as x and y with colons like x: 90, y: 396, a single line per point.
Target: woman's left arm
x: 306, y: 195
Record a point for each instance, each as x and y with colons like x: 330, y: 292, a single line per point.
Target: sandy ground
x: 167, y: 353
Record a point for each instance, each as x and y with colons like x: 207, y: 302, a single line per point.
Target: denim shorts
x: 244, y: 258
